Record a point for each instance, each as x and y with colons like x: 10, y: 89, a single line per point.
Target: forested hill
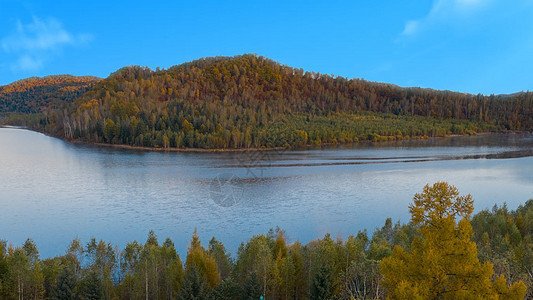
x: 250, y: 101
x: 35, y: 94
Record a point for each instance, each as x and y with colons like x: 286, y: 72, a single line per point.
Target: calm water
x: 54, y: 191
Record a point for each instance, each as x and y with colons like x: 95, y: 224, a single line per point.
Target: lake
x: 53, y: 191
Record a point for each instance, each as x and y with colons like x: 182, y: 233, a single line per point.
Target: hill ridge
x: 250, y: 101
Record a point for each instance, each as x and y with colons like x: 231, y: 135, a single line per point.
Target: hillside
x: 251, y: 102
x: 35, y: 94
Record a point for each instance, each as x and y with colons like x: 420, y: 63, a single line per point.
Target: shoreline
x: 174, y: 149
x: 202, y: 150
x: 16, y: 127
x: 253, y: 149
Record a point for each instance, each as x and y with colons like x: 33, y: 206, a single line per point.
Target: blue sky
x: 475, y: 46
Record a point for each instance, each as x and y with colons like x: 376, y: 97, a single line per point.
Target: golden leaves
x: 443, y: 264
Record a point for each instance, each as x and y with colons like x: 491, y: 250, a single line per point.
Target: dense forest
x: 36, y: 95
x: 30, y: 102
x: 443, y: 253
x: 252, y: 102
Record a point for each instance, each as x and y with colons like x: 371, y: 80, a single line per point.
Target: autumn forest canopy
x: 248, y: 101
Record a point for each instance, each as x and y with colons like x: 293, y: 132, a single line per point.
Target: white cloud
x: 27, y: 63
x: 444, y: 11
x: 35, y: 43
x: 411, y: 27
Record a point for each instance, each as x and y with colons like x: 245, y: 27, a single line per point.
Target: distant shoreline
x: 223, y: 150
x: 16, y: 127
x: 174, y: 149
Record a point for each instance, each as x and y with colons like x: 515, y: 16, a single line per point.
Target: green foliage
x: 65, y: 288
x: 252, y: 288
x: 19, y: 271
x: 194, y: 286
x: 102, y: 258
x: 222, y: 258
x: 252, y: 102
x: 91, y: 287
x: 52, y: 268
x: 323, y: 285
x: 255, y: 259
x: 4, y: 269
x: 152, y: 270
x: 504, y: 238
x: 435, y: 251
x: 228, y: 290
x: 25, y: 277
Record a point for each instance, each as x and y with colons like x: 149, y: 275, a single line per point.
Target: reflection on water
x: 53, y: 191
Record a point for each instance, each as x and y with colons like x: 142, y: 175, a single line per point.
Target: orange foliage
x: 29, y: 83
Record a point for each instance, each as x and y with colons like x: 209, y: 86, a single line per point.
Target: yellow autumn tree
x: 202, y: 261
x: 443, y: 263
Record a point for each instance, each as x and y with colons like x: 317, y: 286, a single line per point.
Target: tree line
x: 41, y: 95
x: 236, y: 102
x: 252, y: 102
x: 443, y: 253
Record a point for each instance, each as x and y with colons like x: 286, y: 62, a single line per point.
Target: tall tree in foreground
x: 323, y: 285
x: 199, y: 259
x: 195, y: 285
x: 252, y: 288
x: 443, y: 264
x: 91, y: 287
x: 4, y: 270
x: 65, y: 286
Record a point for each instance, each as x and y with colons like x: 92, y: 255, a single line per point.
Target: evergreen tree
x: 194, y: 286
x: 91, y: 287
x: 252, y: 288
x: 4, y: 271
x: 222, y: 258
x: 171, y: 269
x: 227, y: 290
x: 323, y: 285
x: 65, y: 285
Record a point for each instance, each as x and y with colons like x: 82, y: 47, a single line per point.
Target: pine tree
x: 227, y: 290
x: 91, y: 288
x: 323, y: 285
x: 4, y: 271
x: 65, y: 286
x: 194, y: 286
x: 252, y: 288
x: 222, y: 258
